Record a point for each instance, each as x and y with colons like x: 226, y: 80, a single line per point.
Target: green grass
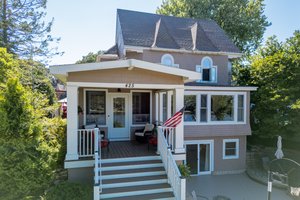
x: 70, y: 191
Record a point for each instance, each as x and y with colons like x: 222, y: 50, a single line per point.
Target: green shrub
x: 184, y: 170
x: 70, y: 191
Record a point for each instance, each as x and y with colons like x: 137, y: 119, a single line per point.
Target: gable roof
x: 61, y: 71
x: 152, y: 30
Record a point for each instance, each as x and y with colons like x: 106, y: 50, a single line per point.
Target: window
x: 168, y: 60
x: 140, y: 107
x: 222, y: 108
x: 230, y: 148
x: 95, y: 108
x: 209, y: 72
x: 203, y: 108
x: 164, y: 107
x: 240, y: 108
x: 190, y: 108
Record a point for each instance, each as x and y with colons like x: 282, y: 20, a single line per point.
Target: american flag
x: 175, y: 119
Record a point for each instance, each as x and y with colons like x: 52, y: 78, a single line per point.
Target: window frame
x: 172, y: 59
x: 131, y: 111
x: 85, y: 111
x: 209, y: 94
x: 199, y: 68
x: 237, y: 149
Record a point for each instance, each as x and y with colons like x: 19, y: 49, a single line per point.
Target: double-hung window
x: 208, y: 70
x: 230, y: 148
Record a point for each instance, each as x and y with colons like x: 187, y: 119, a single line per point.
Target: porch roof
x: 61, y: 71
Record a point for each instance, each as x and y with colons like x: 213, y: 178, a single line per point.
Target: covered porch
x: 119, y: 97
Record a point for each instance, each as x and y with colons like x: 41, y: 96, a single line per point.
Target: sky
x: 89, y: 25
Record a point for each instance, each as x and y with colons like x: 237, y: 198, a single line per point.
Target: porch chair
x: 143, y: 134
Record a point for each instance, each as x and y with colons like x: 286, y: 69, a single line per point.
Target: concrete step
x: 141, y: 190
x: 132, y: 166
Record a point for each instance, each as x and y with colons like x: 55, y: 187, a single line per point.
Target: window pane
x: 140, y: 107
x: 119, y: 112
x: 213, y: 74
x: 205, y: 74
x: 240, y: 108
x: 231, y: 145
x: 230, y: 152
x: 222, y: 108
x: 206, y: 63
x: 203, y: 110
x: 95, y: 108
x: 190, y: 108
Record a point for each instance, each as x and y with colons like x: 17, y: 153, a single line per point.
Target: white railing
x: 97, y: 168
x: 169, y: 134
x: 174, y: 176
x: 86, y: 142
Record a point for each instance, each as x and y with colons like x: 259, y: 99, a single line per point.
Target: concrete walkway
x: 236, y: 187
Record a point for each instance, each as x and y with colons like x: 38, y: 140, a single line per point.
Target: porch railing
x: 174, y: 176
x: 97, y: 167
x: 169, y: 134
x: 86, y: 142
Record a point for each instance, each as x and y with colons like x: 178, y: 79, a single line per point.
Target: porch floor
x: 125, y: 149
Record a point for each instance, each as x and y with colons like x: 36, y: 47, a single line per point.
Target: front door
x: 118, y: 117
x: 199, y: 157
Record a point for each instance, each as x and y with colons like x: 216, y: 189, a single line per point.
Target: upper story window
x: 208, y: 70
x: 168, y: 60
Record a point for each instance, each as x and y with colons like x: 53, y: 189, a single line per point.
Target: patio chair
x: 143, y: 134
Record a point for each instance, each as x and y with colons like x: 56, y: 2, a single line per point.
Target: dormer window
x: 208, y: 70
x: 168, y: 60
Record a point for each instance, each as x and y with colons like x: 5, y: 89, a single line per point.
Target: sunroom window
x: 190, y: 108
x: 209, y: 72
x: 222, y: 108
x: 140, y: 107
x: 95, y: 108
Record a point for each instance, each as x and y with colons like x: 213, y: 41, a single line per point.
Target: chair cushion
x: 141, y: 134
x: 148, y: 127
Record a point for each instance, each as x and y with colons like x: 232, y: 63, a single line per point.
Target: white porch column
x: 156, y: 107
x: 169, y: 102
x: 179, y: 103
x: 72, y: 123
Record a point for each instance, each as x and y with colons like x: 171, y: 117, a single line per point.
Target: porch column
x: 169, y: 102
x: 72, y: 123
x: 179, y: 135
x: 156, y: 107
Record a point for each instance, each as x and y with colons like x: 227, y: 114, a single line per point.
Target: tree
x: 242, y: 20
x: 90, y: 57
x: 275, y: 69
x: 22, y: 29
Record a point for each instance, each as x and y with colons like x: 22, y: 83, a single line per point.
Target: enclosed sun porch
x: 119, y: 98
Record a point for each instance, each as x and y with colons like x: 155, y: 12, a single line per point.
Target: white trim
x: 237, y: 144
x: 78, y: 164
x: 84, y: 105
x: 123, y: 85
x: 220, y: 88
x: 140, y: 50
x: 130, y: 63
x: 209, y: 94
x: 198, y: 142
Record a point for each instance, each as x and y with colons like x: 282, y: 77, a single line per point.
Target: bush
x: 72, y: 191
x: 184, y: 170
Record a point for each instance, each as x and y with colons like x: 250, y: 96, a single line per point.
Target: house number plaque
x: 129, y: 85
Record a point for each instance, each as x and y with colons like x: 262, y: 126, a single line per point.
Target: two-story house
x: 158, y: 65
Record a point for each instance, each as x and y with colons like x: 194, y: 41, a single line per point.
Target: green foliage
x: 242, y: 20
x: 23, y: 29
x: 31, y: 144
x: 67, y: 190
x: 275, y: 69
x: 184, y: 170
x: 89, y: 58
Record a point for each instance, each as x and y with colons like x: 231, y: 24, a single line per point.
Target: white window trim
x: 84, y: 106
x: 237, y: 144
x: 130, y: 107
x: 209, y: 94
x: 201, y: 67
x: 172, y: 58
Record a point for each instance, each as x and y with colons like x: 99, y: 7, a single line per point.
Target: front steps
x: 135, y: 178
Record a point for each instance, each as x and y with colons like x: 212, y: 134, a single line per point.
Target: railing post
x: 96, y: 192
x: 182, y: 188
x: 159, y: 131
x: 96, y: 141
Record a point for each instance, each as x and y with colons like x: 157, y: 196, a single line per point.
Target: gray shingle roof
x: 152, y: 30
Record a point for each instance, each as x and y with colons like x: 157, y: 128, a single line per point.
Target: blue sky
x: 89, y: 25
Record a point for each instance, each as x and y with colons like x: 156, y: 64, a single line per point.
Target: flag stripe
x: 175, y: 119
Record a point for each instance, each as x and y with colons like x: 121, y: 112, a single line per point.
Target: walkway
x: 236, y: 187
